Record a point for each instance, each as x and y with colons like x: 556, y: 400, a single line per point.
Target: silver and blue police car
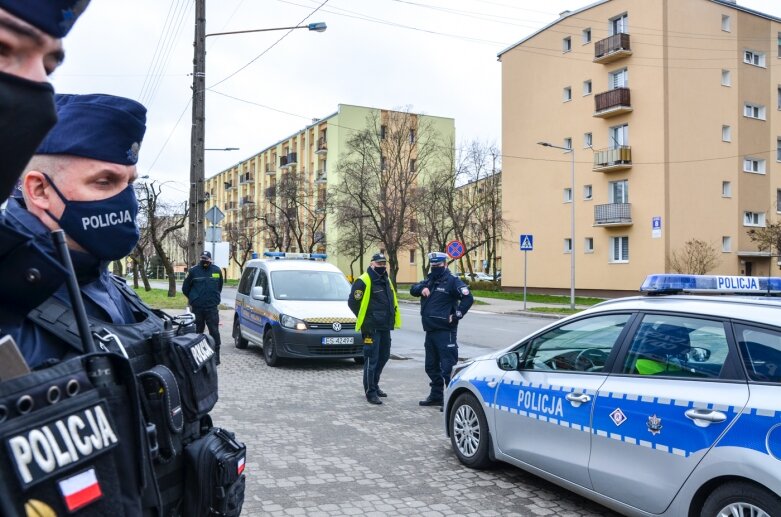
x: 650, y: 405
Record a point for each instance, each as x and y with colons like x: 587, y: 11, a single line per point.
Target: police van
x: 665, y: 404
x: 295, y: 305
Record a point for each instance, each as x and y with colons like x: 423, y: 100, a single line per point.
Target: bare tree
x: 352, y: 240
x: 299, y: 212
x: 380, y: 173
x: 241, y: 234
x: 695, y: 257
x: 767, y: 238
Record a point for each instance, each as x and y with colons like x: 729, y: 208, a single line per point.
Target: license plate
x: 338, y: 340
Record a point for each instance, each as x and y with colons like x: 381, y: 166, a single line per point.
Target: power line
x: 162, y: 53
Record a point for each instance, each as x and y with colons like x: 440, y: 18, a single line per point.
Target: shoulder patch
x: 465, y: 291
x: 215, y: 275
x: 358, y: 294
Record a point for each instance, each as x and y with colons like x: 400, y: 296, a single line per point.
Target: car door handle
x: 705, y: 417
x: 580, y: 398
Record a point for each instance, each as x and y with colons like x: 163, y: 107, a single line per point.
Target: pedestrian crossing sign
x: 527, y: 242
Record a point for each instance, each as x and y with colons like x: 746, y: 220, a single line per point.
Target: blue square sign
x: 527, y: 242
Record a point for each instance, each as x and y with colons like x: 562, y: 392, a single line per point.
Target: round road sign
x: 455, y: 249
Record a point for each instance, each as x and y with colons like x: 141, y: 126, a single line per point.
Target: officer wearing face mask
x: 373, y: 300
x: 202, y: 287
x: 30, y: 36
x: 445, y: 300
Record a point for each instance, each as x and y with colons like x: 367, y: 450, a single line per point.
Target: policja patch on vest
x: 358, y: 294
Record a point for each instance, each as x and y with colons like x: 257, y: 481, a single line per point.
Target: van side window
x: 262, y: 281
x: 246, y: 280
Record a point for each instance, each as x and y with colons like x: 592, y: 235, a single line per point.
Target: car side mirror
x: 257, y: 294
x: 508, y: 362
x: 698, y: 354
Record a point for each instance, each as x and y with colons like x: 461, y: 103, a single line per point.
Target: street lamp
x: 221, y: 149
x: 197, y: 136
x: 570, y: 150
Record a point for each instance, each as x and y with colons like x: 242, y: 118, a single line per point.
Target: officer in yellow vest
x: 373, y: 300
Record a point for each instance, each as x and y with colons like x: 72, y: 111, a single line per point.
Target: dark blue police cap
x: 379, y: 257
x: 54, y: 17
x: 98, y: 126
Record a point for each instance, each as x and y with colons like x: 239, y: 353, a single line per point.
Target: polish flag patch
x: 241, y: 466
x: 80, y: 490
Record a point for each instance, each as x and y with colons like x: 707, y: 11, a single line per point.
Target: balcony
x: 270, y: 193
x: 292, y: 159
x: 612, y: 48
x: 612, y: 102
x: 320, y: 207
x: 283, y: 162
x: 228, y: 185
x: 246, y: 178
x: 321, y: 178
x: 231, y: 206
x: 270, y: 169
x: 322, y: 146
x: 613, y: 159
x: 246, y: 200
x: 613, y: 214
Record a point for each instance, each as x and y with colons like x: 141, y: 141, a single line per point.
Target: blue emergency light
x: 711, y: 284
x: 276, y: 255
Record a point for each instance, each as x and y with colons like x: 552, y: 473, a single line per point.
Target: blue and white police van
x: 665, y: 404
x: 295, y: 305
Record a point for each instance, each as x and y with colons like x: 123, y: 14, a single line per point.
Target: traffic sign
x: 527, y: 242
x: 214, y: 215
x: 455, y: 249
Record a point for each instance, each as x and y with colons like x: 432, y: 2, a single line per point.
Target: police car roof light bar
x: 710, y: 284
x: 276, y: 255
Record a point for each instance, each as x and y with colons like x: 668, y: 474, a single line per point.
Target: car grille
x: 328, y: 325
x: 335, y: 350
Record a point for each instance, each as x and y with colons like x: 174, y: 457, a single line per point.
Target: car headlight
x: 458, y: 368
x: 292, y: 323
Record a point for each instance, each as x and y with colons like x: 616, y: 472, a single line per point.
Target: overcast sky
x: 436, y: 56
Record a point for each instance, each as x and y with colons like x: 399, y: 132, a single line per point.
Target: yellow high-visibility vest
x: 365, y: 302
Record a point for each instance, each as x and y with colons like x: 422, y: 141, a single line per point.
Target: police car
x: 295, y: 305
x: 652, y: 405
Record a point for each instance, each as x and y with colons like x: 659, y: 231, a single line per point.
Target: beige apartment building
x: 671, y: 108
x: 485, y: 228
x: 276, y: 198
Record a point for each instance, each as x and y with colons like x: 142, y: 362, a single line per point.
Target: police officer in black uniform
x: 202, y: 287
x: 445, y: 300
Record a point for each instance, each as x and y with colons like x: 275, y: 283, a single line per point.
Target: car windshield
x: 309, y: 285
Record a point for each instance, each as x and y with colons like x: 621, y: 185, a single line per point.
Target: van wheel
x: 469, y: 432
x: 239, y: 341
x: 270, y: 349
x: 741, y: 498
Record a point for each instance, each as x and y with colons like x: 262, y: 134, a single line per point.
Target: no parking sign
x: 455, y: 249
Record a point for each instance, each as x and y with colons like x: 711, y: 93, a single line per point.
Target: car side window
x: 581, y: 346
x: 262, y: 281
x: 760, y: 350
x: 246, y: 280
x: 677, y: 346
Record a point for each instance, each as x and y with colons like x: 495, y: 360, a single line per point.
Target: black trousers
x: 375, y: 356
x: 209, y: 318
x: 441, y: 356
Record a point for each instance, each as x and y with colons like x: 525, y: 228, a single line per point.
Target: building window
x: 618, y: 191
x: 383, y: 131
x: 726, y: 78
x: 567, y: 94
x: 619, y: 136
x: 588, y: 245
x: 619, y: 249
x: 412, y: 136
x: 725, y: 23
x: 588, y: 192
x: 726, y: 134
x: 568, y: 245
x: 753, y: 218
x: 778, y: 101
x: 754, y: 57
x: 585, y: 37
x: 756, y: 111
x: 778, y: 200
x: 619, y: 25
x: 779, y: 44
x: 778, y: 149
x: 567, y: 143
x: 411, y: 256
x: 726, y: 244
x: 754, y: 165
x: 567, y: 195
x: 412, y: 165
x: 588, y: 139
x: 382, y: 163
x: 726, y: 189
x: 618, y: 79
x: 587, y: 87
x: 566, y: 44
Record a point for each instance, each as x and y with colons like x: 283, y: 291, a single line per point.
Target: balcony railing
x: 282, y: 162
x: 270, y: 192
x: 613, y: 214
x: 322, y: 146
x: 246, y: 178
x: 613, y: 159
x: 320, y: 177
x: 292, y: 159
x: 612, y: 48
x: 270, y: 169
x: 612, y: 102
x: 247, y: 201
x: 228, y: 185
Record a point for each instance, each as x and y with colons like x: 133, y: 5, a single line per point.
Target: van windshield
x: 310, y: 285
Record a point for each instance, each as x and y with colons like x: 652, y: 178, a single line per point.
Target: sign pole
x: 525, y: 254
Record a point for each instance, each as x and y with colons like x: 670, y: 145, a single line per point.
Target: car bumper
x: 309, y: 343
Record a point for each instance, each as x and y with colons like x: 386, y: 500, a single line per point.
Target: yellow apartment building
x: 671, y: 109
x: 276, y: 198
x: 485, y: 231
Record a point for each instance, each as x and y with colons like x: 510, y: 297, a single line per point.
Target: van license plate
x: 338, y: 340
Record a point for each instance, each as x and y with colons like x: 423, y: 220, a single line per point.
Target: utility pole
x: 196, y: 231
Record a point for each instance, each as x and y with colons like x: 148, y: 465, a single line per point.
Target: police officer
x: 30, y: 33
x: 445, y: 300
x: 202, y: 287
x: 373, y: 300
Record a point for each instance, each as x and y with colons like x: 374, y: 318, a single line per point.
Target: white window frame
x: 567, y: 245
x: 754, y: 165
x: 588, y: 87
x: 588, y: 245
x: 755, y: 219
x: 778, y: 149
x: 620, y: 22
x: 726, y: 23
x: 755, y: 111
x: 726, y: 244
x: 623, y: 249
x: 585, y: 35
x: 566, y: 195
x: 726, y: 133
x: 622, y: 193
x: 588, y: 192
x: 566, y: 94
x: 726, y: 77
x: 618, y: 136
x: 754, y: 58
x: 726, y: 189
x: 618, y: 78
x: 588, y: 140
x: 566, y: 44
x: 567, y: 143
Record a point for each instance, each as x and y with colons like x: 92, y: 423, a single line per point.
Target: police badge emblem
x: 358, y: 294
x: 654, y: 424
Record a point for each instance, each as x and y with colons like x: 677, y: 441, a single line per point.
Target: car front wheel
x: 239, y: 341
x: 270, y: 349
x: 741, y: 499
x: 469, y: 432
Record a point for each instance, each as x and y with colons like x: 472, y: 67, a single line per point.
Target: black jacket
x: 380, y: 314
x: 449, y: 297
x: 203, y: 286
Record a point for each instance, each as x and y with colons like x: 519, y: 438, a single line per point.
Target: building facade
x: 275, y: 200
x: 671, y: 109
x: 484, y: 235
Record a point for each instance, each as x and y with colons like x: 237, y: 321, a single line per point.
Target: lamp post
x: 571, y: 151
x: 195, y: 234
x: 221, y: 149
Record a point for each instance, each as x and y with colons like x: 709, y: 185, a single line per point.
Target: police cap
x: 437, y: 257
x: 54, y: 17
x: 379, y: 257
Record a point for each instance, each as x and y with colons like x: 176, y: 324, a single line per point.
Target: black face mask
x: 205, y: 263
x: 27, y: 113
x: 380, y: 270
x: 437, y: 271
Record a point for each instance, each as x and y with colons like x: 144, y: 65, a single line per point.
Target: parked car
x: 476, y: 277
x: 295, y: 305
x: 656, y: 405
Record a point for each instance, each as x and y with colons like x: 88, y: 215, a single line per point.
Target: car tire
x: 270, y: 349
x: 741, y: 498
x: 239, y: 341
x: 358, y: 360
x: 469, y: 434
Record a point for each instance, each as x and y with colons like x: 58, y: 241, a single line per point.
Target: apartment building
x: 275, y: 200
x: 671, y: 109
x: 483, y: 236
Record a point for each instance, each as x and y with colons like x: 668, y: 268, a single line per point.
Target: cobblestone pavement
x: 317, y: 448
